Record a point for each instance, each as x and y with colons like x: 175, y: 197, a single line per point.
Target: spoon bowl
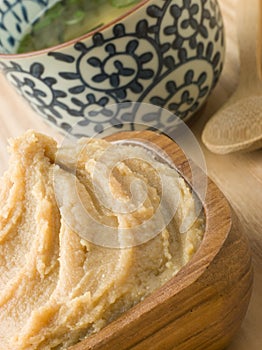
x: 238, y: 127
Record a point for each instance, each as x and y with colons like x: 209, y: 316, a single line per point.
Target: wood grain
x: 238, y: 176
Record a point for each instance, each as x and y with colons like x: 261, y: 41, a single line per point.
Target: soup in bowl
x: 68, y: 19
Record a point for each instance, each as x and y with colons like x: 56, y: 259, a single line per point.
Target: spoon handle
x: 259, y: 42
x: 249, y: 35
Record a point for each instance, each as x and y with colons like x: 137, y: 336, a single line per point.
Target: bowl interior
x: 18, y: 17
x: 16, y: 20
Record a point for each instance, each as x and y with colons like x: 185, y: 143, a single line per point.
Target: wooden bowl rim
x: 218, y: 225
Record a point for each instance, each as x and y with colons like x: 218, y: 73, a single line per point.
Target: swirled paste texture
x: 56, y: 287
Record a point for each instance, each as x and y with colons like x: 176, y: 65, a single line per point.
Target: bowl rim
x: 218, y: 219
x: 89, y: 35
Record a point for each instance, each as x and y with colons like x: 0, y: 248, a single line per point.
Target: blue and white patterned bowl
x: 165, y: 52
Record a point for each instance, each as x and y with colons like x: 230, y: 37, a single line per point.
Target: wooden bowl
x: 204, y: 304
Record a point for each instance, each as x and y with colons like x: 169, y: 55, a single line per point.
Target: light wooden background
x: 238, y: 176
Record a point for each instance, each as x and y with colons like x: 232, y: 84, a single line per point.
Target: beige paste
x: 55, y: 286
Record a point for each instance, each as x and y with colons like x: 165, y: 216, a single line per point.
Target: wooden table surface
x: 239, y: 176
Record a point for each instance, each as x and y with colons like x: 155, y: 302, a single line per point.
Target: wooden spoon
x: 203, y: 305
x: 238, y: 125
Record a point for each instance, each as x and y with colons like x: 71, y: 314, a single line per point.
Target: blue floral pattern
x: 37, y: 89
x: 171, y: 56
x: 120, y: 68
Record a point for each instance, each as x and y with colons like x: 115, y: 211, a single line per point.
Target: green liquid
x: 69, y: 19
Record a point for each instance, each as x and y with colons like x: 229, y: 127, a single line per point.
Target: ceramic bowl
x: 167, y: 53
